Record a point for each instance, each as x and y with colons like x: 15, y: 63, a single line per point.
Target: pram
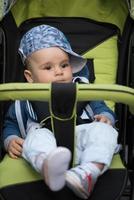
x: 104, y: 41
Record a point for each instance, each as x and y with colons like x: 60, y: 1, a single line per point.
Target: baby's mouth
x: 59, y: 81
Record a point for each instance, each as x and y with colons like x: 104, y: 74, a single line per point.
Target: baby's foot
x: 80, y: 183
x: 54, y: 168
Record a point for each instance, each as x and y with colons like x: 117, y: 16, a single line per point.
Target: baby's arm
x: 12, y: 139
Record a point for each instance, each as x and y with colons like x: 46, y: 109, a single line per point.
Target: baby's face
x: 49, y: 65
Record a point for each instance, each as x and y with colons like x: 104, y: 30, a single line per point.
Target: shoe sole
x: 55, y: 167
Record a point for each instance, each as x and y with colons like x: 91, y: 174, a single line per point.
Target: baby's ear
x: 28, y: 76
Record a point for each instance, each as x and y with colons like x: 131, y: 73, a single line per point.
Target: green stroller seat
x: 100, y: 43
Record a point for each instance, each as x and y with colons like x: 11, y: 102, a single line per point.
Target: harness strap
x: 63, y: 114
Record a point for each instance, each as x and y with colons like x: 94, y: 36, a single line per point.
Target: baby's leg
x: 41, y: 151
x: 37, y: 145
x: 96, y: 143
x: 99, y: 144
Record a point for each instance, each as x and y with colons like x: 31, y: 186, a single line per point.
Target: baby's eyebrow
x: 67, y: 60
x: 45, y: 64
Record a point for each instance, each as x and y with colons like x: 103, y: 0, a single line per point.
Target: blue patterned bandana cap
x: 45, y: 36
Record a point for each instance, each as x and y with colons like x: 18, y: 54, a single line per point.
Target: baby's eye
x: 65, y: 65
x: 48, y: 67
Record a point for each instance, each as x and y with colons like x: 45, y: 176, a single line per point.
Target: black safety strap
x: 90, y: 65
x: 124, y: 57
x: 130, y: 81
x: 131, y: 50
x: 123, y: 76
x: 10, y: 29
x: 63, y: 114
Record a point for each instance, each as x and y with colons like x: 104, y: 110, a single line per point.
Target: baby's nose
x: 58, y: 70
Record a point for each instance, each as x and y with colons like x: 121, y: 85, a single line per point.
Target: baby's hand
x: 102, y: 118
x: 15, y: 147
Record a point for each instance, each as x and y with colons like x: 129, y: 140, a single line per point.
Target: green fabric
x: 13, y: 171
x: 114, y: 11
x: 16, y: 171
x: 105, y: 58
x: 116, y: 162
